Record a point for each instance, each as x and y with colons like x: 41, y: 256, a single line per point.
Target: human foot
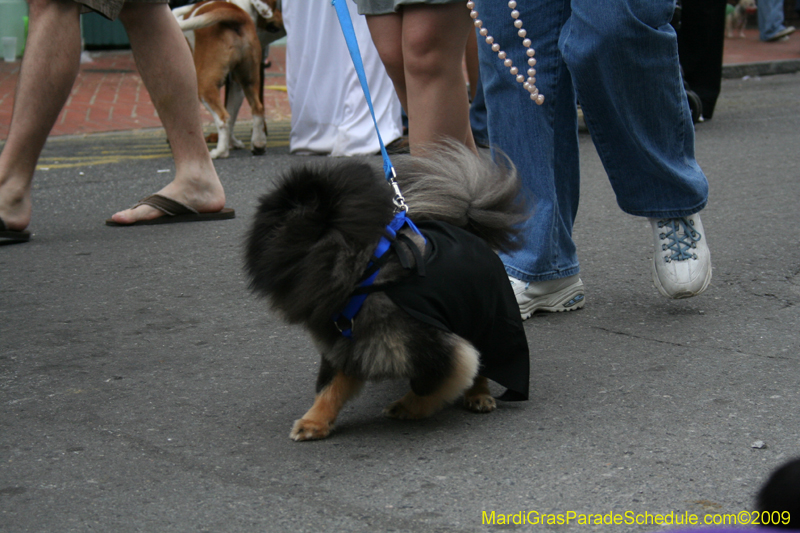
x: 682, y: 262
x: 200, y: 197
x: 174, y: 212
x: 15, y: 206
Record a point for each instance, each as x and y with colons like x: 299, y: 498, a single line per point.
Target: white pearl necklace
x: 529, y: 83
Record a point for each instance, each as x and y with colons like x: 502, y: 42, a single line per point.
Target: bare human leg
x: 48, y: 71
x: 387, y: 35
x: 422, y: 47
x: 165, y: 64
x: 471, y: 60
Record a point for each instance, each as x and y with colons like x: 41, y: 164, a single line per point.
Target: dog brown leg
x: 413, y: 406
x: 211, y: 73
x: 210, y: 97
x: 318, y: 421
x: 478, y: 399
x: 247, y: 73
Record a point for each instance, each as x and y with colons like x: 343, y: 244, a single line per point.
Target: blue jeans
x: 620, y: 60
x: 477, y: 117
x: 770, y: 18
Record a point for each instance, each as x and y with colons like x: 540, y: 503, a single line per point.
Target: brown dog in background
x: 224, y: 41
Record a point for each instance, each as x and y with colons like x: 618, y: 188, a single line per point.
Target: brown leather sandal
x: 13, y: 236
x: 174, y: 212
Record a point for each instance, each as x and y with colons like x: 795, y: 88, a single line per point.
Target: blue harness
x: 344, y: 319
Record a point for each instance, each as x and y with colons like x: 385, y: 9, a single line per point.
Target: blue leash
x: 355, y: 54
x: 345, y: 319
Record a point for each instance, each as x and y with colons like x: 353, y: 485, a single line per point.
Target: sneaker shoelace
x: 681, y: 237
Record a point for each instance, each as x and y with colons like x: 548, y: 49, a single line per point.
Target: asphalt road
x: 143, y: 388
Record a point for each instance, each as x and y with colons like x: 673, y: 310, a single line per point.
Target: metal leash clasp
x: 399, y: 200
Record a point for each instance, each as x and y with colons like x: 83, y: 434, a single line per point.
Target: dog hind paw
x: 411, y: 407
x: 398, y: 411
x: 309, y: 430
x: 480, y: 403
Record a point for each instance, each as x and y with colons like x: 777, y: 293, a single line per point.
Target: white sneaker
x: 682, y: 262
x: 554, y: 296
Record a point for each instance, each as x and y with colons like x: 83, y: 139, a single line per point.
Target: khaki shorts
x: 384, y: 7
x: 110, y: 8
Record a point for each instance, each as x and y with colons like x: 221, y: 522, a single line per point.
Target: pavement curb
x: 763, y: 68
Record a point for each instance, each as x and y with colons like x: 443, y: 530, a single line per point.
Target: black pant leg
x: 700, y: 42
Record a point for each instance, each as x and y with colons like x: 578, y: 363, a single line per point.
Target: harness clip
x: 399, y: 200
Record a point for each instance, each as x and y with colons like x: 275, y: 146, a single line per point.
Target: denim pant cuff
x: 515, y: 273
x: 675, y: 213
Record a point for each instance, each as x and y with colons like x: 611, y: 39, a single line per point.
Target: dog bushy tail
x: 453, y: 184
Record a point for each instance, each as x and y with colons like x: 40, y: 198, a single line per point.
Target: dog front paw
x: 220, y: 153
x: 304, y: 429
x: 480, y: 403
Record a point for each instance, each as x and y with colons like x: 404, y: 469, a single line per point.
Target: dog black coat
x: 465, y: 290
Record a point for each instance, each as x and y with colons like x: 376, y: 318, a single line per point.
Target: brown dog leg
x: 414, y: 406
x: 478, y: 399
x: 318, y: 421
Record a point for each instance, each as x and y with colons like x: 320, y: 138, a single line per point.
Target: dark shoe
x: 13, y: 236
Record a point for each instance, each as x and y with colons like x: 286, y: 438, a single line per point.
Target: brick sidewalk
x: 109, y: 95
x: 752, y: 50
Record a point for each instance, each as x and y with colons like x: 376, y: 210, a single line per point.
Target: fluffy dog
x: 736, y: 16
x: 440, y: 312
x: 224, y: 41
x: 781, y: 495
